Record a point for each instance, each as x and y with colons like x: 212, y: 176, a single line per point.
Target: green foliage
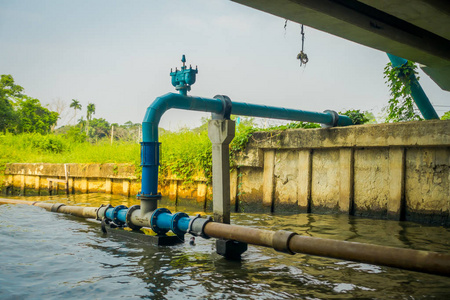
x: 21, y: 113
x: 185, y: 152
x: 293, y: 125
x: 356, y: 116
x: 446, y: 116
x: 401, y: 104
x: 99, y: 128
x: 33, y: 117
x: 8, y: 92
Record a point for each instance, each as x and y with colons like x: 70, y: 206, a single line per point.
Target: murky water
x: 54, y: 256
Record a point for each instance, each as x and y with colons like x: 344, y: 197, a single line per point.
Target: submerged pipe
x: 420, y: 98
x: 283, y: 241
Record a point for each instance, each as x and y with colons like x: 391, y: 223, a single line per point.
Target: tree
x: 75, y: 105
x: 90, y: 111
x: 9, y: 91
x: 99, y: 128
x: 33, y: 117
x: 401, y: 104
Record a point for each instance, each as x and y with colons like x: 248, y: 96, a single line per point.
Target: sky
x: 118, y: 55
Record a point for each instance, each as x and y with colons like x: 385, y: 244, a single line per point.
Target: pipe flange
x: 197, y: 226
x: 154, y: 217
x: 174, y: 223
x: 226, y: 107
x: 128, y: 217
x: 99, y: 218
x: 198, y: 216
x: 280, y: 241
x: 56, y: 206
x: 115, y: 213
x: 335, y: 118
x: 144, y: 197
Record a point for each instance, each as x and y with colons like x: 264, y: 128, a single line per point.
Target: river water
x: 54, y: 256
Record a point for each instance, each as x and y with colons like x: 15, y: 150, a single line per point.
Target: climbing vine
x: 401, y: 106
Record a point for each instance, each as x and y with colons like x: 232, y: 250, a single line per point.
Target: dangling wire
x: 302, y: 55
x: 285, y: 26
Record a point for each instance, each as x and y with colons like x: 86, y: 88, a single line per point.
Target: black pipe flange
x: 174, y: 223
x: 128, y: 217
x: 197, y: 226
x: 226, y: 108
x: 56, y: 206
x: 115, y: 212
x: 154, y: 217
x: 280, y: 241
x: 106, y: 208
x: 335, y: 118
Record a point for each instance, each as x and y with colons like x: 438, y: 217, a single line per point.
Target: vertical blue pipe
x: 419, y: 96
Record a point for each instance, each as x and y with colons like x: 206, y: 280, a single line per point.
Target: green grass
x: 186, y: 154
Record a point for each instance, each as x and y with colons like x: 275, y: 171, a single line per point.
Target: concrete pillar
x: 72, y: 185
x: 233, y: 187
x: 173, y: 190
x: 108, y: 186
x: 304, y: 180
x: 221, y: 133
x: 201, y: 192
x: 126, y: 187
x: 268, y: 178
x: 22, y: 185
x: 346, y: 167
x: 84, y: 185
x: 396, y: 201
x: 37, y: 184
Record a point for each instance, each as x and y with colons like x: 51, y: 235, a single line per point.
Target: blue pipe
x: 161, y: 220
x: 419, y: 96
x: 150, y: 145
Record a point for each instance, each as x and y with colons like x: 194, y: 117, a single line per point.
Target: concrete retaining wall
x: 397, y: 171
x: 121, y: 179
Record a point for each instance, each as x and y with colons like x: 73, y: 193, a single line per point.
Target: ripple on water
x: 54, y: 256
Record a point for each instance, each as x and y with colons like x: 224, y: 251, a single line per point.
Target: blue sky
x: 118, y: 55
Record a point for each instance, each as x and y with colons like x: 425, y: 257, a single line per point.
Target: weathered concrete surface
x: 119, y: 179
x: 397, y: 171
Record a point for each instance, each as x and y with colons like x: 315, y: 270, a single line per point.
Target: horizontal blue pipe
x: 183, y: 224
x: 420, y: 98
x: 149, y: 185
x: 163, y: 220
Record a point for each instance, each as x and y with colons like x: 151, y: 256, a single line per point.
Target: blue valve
x: 184, y: 78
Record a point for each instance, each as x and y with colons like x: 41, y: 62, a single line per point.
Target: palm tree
x: 75, y: 105
x: 89, y: 113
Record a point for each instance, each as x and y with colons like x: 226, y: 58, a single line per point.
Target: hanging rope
x: 302, y: 55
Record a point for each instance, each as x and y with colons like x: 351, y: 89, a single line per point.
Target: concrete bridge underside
x: 418, y: 30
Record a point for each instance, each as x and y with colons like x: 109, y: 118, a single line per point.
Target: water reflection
x: 71, y: 258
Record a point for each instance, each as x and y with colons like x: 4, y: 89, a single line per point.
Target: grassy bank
x: 186, y: 153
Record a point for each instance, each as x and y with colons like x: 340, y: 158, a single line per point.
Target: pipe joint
x: 113, y: 215
x: 197, y: 226
x: 280, y: 241
x: 128, y: 217
x: 334, y: 116
x: 154, y: 220
x: 149, y: 154
x: 174, y: 223
x: 56, y: 206
x: 226, y: 108
x: 101, y: 211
